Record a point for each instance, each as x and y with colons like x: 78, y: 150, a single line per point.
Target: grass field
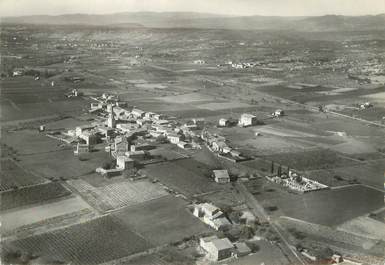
x: 186, y: 176
x: 12, y: 175
x: 32, y: 195
x: 162, y: 221
x: 63, y: 163
x: 28, y: 142
x: 14, y: 219
x: 328, y: 207
x: 313, y: 159
x: 369, y: 173
x: 100, y: 240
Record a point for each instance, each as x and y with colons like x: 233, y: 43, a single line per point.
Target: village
x: 128, y: 134
x: 122, y: 146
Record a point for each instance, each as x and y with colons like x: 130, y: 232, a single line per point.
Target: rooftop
x: 221, y: 244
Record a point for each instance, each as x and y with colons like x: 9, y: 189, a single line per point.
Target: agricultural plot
x: 117, y: 195
x: 32, y: 195
x: 63, y: 163
x: 186, y: 176
x: 41, y: 213
x: 327, y: 207
x: 96, y: 241
x: 369, y: 173
x: 313, y: 159
x: 162, y: 221
x: 12, y: 175
x: 365, y: 227
x: 28, y: 142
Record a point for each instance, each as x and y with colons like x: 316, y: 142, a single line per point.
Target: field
x: 365, y: 227
x: 32, y: 195
x: 14, y: 219
x: 370, y: 173
x: 313, y: 159
x: 29, y: 142
x: 93, y: 242
x: 12, y: 175
x: 117, y: 195
x: 162, y: 221
x: 63, y: 163
x: 186, y: 176
x: 328, y: 207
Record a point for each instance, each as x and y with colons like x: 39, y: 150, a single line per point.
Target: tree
x: 247, y: 232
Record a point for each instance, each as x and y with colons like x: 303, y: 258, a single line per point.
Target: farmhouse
x: 247, y: 120
x: 218, y: 249
x: 124, y: 162
x: 81, y: 149
x: 278, y: 113
x: 221, y: 176
x: 224, y: 122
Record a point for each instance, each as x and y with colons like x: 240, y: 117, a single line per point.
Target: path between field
x: 260, y: 212
x: 353, y: 185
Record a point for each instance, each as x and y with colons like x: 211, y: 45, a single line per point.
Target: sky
x: 231, y: 7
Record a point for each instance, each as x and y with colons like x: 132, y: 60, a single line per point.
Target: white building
x: 80, y: 129
x: 124, y: 162
x: 174, y: 138
x: 221, y: 176
x: 247, y: 120
x: 138, y: 113
x: 224, y: 122
x: 89, y: 137
x: 278, y: 113
x: 219, y: 249
x: 111, y: 121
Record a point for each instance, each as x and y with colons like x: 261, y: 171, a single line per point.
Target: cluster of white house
x: 218, y: 248
x: 212, y: 216
x: 217, y: 144
x: 296, y: 182
x: 118, y: 126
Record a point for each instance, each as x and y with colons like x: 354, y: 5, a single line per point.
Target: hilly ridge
x: 206, y: 20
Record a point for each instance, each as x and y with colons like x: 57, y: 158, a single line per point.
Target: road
x: 259, y: 211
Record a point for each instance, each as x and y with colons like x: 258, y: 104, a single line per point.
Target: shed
x: 221, y: 176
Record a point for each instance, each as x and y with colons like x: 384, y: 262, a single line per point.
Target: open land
x: 57, y: 209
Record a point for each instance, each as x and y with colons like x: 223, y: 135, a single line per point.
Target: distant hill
x: 205, y: 20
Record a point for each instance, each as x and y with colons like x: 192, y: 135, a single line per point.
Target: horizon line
x: 193, y: 12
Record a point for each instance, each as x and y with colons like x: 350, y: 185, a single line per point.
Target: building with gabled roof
x: 221, y: 176
x: 219, y: 249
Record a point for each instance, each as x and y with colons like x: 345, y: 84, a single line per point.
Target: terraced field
x: 119, y: 194
x: 12, y: 175
x: 100, y: 240
x: 32, y: 195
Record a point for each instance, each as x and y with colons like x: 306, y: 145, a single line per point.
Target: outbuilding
x: 221, y: 176
x: 219, y: 249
